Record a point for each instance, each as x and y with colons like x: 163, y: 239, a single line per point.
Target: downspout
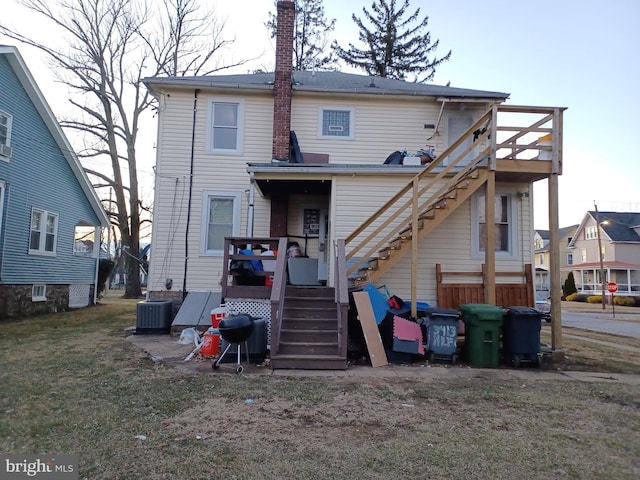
x: 186, y: 233
x: 252, y: 191
x: 96, y: 242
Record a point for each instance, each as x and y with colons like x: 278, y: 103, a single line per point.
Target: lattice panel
x: 254, y: 307
x: 79, y: 295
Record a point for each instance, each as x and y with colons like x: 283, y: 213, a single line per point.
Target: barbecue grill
x: 235, y: 329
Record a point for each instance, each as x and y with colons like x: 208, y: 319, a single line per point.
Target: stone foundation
x: 15, y: 300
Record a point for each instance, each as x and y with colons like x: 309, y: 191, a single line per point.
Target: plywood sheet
x: 370, y: 329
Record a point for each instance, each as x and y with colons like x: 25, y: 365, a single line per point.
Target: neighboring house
x: 51, y: 218
x: 542, y: 257
x: 619, y: 234
x: 226, y: 168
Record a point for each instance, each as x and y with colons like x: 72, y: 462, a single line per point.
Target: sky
x: 578, y: 54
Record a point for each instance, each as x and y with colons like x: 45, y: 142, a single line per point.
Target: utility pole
x: 600, y: 255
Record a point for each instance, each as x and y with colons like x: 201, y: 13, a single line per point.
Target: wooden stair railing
x: 439, y: 188
x: 309, y: 324
x: 395, y: 216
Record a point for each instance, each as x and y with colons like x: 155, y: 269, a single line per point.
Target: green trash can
x: 483, y: 324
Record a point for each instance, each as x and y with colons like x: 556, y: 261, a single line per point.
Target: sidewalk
x: 164, y: 348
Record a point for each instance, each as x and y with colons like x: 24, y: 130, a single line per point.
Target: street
x: 601, y: 322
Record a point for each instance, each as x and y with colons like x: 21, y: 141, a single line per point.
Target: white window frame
x: 41, y: 250
x: 513, y: 251
x: 239, y: 150
x: 2, y: 191
x: 204, y: 228
x: 329, y: 108
x: 7, y: 143
x: 570, y: 258
x: 39, y: 293
x: 583, y: 255
x: 591, y: 232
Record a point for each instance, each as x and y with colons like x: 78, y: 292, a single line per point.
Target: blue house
x: 50, y: 215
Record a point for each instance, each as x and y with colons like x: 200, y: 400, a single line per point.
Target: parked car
x: 543, y: 304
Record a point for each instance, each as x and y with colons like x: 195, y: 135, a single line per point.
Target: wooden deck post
x: 490, y: 240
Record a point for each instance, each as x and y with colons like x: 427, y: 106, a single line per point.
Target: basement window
x: 39, y: 293
x: 336, y: 123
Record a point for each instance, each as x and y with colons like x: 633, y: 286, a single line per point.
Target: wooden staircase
x: 309, y: 336
x: 432, y: 213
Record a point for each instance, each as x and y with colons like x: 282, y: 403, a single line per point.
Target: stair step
x: 309, y: 362
x: 316, y: 324
x: 307, y: 292
x: 309, y: 336
x: 309, y: 348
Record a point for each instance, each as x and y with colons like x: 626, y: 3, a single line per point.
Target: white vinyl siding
x: 43, y: 233
x: 221, y: 218
x: 225, y: 127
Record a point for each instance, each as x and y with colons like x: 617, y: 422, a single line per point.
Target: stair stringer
x: 429, y: 224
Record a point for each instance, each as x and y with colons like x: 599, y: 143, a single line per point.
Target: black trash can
x: 521, y: 335
x: 441, y: 328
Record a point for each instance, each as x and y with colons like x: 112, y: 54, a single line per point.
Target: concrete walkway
x: 166, y: 349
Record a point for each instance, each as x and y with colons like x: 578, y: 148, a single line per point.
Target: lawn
x: 73, y: 383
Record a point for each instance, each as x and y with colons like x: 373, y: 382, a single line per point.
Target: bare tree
x: 106, y: 47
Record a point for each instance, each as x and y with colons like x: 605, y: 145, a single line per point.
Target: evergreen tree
x: 569, y: 286
x: 310, y: 37
x: 393, y: 46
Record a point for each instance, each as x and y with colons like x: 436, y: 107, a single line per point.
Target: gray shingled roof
x: 329, y: 82
x: 619, y: 226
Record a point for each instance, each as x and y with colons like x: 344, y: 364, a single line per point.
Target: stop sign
x: 612, y: 287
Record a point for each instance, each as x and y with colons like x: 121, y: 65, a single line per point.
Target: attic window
x: 335, y: 123
x: 5, y: 135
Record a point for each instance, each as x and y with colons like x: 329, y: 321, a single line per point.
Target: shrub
x: 569, y: 285
x: 624, y: 301
x: 594, y: 299
x: 576, y: 297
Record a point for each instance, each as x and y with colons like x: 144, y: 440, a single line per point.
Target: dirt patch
x: 347, y: 416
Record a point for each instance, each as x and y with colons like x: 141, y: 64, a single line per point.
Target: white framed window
x: 569, y: 258
x: 84, y: 241
x: 541, y: 258
x: 220, y: 218
x: 2, y: 190
x: 336, y: 122
x: 591, y: 232
x: 43, y: 233
x: 225, y: 126
x: 5, y: 135
x: 583, y: 255
x: 39, y: 293
x: 506, y: 244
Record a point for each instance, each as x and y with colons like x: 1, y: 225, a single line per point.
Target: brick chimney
x: 282, y: 85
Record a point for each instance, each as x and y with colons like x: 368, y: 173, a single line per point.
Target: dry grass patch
x: 72, y: 383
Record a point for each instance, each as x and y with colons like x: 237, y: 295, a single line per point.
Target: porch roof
x: 311, y: 178
x: 612, y: 264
